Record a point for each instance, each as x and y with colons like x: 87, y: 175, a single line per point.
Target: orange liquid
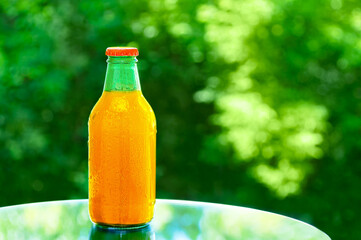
x: 122, y: 138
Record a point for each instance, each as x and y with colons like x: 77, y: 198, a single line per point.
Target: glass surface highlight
x: 173, y: 219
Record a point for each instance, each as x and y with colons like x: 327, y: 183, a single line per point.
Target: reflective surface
x: 178, y: 220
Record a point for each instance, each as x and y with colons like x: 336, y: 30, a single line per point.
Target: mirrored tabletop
x: 173, y: 219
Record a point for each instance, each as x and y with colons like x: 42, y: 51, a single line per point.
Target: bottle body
x: 122, y: 138
x: 122, y: 159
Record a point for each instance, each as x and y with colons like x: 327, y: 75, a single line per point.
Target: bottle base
x: 121, y: 226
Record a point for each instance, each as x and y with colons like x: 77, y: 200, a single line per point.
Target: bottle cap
x: 121, y: 51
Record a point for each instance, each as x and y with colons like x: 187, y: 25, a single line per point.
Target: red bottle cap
x: 121, y: 51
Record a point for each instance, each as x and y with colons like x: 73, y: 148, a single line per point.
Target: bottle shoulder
x: 122, y: 105
x: 145, y: 105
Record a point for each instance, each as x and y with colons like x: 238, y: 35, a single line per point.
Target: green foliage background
x: 257, y: 101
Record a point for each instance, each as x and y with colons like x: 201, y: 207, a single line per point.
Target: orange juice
x: 122, y: 140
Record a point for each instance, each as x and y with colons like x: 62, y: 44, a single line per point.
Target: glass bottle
x: 122, y: 142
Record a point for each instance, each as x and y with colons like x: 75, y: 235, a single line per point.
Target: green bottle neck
x: 122, y: 74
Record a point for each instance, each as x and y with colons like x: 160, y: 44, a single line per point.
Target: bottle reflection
x: 102, y: 233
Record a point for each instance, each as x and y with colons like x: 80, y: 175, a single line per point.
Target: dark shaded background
x: 257, y: 101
